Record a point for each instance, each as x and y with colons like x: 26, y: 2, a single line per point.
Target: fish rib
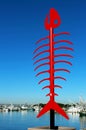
x: 43, y: 80
x: 42, y: 39
x: 63, y: 47
x: 60, y: 55
x: 42, y: 52
x: 59, y: 41
x: 45, y: 58
x: 50, y: 94
x: 44, y: 45
x: 54, y: 35
x: 57, y: 86
x: 64, y: 61
x: 61, y: 33
x: 62, y: 69
x: 59, y: 77
x: 47, y: 63
x: 42, y: 72
x: 46, y: 87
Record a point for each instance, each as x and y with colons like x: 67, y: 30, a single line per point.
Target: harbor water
x: 27, y: 119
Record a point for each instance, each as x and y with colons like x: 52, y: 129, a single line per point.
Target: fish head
x: 52, y: 20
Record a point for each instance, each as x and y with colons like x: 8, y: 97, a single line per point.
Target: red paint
x: 52, y: 17
x: 52, y: 21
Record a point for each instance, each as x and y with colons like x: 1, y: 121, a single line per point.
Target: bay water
x: 27, y: 119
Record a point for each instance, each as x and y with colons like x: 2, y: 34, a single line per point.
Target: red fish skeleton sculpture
x: 52, y: 21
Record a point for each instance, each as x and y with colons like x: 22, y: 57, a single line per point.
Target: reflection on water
x: 27, y: 119
x: 23, y: 113
x: 74, y: 121
x: 82, y: 122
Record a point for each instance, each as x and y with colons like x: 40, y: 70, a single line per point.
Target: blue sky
x: 21, y: 25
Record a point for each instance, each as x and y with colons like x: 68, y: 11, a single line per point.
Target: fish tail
x: 54, y: 106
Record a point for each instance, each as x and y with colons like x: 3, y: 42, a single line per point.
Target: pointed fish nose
x: 52, y: 20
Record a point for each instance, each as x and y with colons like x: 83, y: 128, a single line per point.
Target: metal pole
x: 52, y: 115
x: 52, y: 119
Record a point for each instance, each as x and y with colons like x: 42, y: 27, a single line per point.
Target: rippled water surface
x: 23, y: 120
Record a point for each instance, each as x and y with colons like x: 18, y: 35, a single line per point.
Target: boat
x: 10, y: 107
x: 23, y: 107
x: 5, y: 109
x: 13, y: 108
x: 37, y: 108
x: 73, y: 109
x: 82, y: 113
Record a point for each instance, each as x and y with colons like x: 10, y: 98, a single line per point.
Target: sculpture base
x: 47, y: 128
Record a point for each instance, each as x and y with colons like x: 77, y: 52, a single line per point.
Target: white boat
x: 23, y: 107
x: 5, y: 109
x: 10, y: 107
x: 37, y: 108
x: 13, y: 108
x: 73, y: 109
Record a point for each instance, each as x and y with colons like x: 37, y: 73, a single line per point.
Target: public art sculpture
x: 53, y: 58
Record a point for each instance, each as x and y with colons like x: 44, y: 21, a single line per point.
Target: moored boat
x: 82, y: 113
